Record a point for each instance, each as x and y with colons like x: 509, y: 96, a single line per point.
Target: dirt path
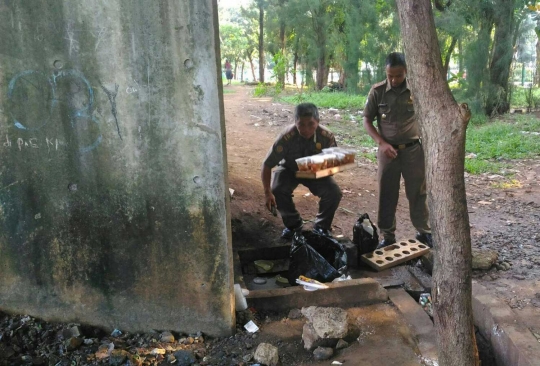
x: 504, y: 217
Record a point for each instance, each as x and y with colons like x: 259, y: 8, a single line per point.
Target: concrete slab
x: 341, y: 294
x: 513, y: 344
x: 419, y: 322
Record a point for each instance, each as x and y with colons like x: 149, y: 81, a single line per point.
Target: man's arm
x: 266, y: 174
x: 387, y: 149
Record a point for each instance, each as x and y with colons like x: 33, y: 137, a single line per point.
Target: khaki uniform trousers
x: 410, y: 164
x: 284, y: 182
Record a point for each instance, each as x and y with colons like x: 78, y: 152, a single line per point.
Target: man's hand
x: 270, y: 201
x: 388, y: 150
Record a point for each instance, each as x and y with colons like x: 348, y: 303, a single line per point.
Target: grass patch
x: 507, y: 139
x: 228, y: 91
x: 338, y: 100
x: 480, y: 166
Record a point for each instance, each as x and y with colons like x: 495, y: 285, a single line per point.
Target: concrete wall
x: 113, y: 187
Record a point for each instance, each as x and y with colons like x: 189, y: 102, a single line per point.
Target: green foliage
x: 512, y: 139
x: 323, y: 99
x: 280, y: 68
x: 267, y: 90
x: 261, y: 90
x: 525, y: 97
x: 479, y: 166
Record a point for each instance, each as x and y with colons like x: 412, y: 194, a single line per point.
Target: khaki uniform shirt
x: 290, y: 146
x: 394, y: 111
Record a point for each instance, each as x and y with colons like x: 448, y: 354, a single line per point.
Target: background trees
x: 312, y: 42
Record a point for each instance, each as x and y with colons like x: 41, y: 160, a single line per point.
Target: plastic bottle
x: 240, y: 300
x: 366, y: 225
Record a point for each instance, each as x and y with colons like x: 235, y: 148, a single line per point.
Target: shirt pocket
x: 384, y: 113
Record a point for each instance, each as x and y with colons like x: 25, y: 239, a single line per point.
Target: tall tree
x: 498, y: 101
x: 443, y: 123
x: 261, y: 5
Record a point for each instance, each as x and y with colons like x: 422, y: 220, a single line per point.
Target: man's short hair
x: 395, y: 59
x: 306, y: 110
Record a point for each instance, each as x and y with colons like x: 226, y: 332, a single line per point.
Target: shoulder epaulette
x: 379, y: 84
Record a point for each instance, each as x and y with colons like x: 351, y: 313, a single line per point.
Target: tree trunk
x: 460, y: 57
x: 252, y: 67
x: 443, y: 123
x: 477, y: 58
x: 295, y: 61
x: 449, y: 55
x: 537, y: 73
x: 321, y: 72
x: 281, y: 77
x: 501, y: 61
x: 242, y: 73
x: 261, y: 41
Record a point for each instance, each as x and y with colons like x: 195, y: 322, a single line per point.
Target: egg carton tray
x: 395, y: 254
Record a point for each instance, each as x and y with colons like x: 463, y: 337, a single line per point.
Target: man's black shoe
x: 425, y: 238
x: 288, y: 234
x: 323, y: 232
x: 386, y: 242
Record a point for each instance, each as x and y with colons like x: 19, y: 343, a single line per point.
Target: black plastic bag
x: 318, y: 257
x: 365, y: 241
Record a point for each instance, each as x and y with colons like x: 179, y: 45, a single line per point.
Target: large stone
x: 323, y: 353
x: 166, y: 337
x: 184, y: 358
x: 483, y: 259
x: 327, y: 322
x: 73, y: 343
x: 312, y: 340
x: 267, y: 354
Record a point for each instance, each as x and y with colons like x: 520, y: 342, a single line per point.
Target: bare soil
x: 504, y: 209
x: 504, y: 217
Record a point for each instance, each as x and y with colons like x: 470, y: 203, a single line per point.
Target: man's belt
x: 404, y: 146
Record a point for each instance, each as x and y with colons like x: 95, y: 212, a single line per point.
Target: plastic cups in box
x: 317, y: 163
x: 340, y: 158
x: 303, y: 164
x: 330, y: 159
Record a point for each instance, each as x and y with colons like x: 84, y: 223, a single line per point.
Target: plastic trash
x: 366, y: 225
x: 310, y: 284
x: 317, y: 257
x: 365, y: 235
x: 425, y: 302
x: 240, y: 300
x: 251, y: 327
x: 116, y: 333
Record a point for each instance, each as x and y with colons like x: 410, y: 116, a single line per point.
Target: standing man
x: 305, y: 138
x: 400, y: 151
x: 228, y: 71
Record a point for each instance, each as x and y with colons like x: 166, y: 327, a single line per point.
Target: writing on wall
x: 34, y: 97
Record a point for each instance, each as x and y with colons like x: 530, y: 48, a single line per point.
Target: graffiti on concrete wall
x: 34, y: 97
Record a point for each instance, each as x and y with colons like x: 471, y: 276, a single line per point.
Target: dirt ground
x: 503, y: 209
x: 504, y: 216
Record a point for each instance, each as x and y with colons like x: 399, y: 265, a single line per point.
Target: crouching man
x: 305, y: 138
